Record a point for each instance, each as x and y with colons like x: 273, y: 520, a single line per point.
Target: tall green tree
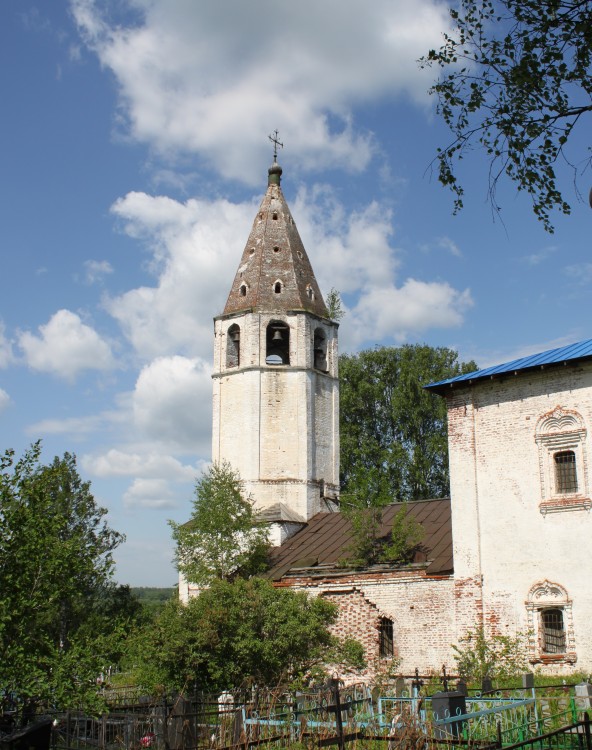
x: 224, y: 538
x: 236, y: 632
x: 393, y: 431
x: 516, y: 81
x: 62, y: 617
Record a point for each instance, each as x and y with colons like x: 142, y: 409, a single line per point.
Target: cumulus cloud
x: 195, y: 246
x: 149, y: 493
x: 172, y: 403
x: 210, y: 77
x: 120, y: 463
x: 396, y: 313
x: 65, y: 346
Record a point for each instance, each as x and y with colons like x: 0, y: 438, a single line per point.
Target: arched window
x: 233, y: 346
x: 277, y: 287
x: 277, y: 343
x: 319, y: 350
x: 243, y: 290
x: 550, y: 624
x: 561, y: 437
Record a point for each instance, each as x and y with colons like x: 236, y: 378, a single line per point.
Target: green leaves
x: 521, y: 80
x: 238, y: 632
x: 393, y: 431
x: 497, y: 657
x: 59, y: 609
x: 224, y: 537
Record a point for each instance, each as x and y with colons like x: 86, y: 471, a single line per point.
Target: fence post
x: 587, y: 730
x: 499, y: 734
x: 338, y: 721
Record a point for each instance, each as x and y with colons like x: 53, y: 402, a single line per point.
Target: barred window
x: 386, y: 645
x: 566, y: 478
x: 552, y: 631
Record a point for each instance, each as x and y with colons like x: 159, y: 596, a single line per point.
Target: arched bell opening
x: 233, y: 346
x: 277, y: 343
x: 319, y: 350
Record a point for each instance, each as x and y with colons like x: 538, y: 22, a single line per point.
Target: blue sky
x: 134, y: 157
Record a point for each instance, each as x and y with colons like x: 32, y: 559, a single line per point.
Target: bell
x: 277, y: 335
x: 235, y: 336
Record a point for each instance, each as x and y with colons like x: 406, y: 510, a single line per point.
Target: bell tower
x: 276, y: 391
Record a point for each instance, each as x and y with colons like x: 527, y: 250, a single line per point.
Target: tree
x: 61, y: 615
x: 517, y: 81
x: 236, y: 632
x: 224, y: 537
x: 334, y: 305
x: 393, y: 431
x: 499, y: 657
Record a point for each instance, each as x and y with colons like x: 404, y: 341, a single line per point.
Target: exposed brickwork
x: 421, y: 608
x: 509, y: 528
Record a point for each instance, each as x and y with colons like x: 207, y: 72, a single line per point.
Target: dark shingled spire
x: 275, y: 274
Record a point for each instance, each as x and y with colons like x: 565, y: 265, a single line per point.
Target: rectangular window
x: 386, y: 646
x: 566, y: 478
x: 553, y: 631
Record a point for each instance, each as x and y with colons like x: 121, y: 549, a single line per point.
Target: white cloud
x: 96, y: 270
x: 4, y: 399
x: 534, y: 259
x: 149, y: 493
x: 211, y: 77
x: 172, y: 404
x: 448, y: 244
x: 195, y: 247
x: 397, y: 313
x: 579, y: 272
x: 66, y: 346
x: 76, y: 426
x: 119, y: 463
x: 6, y: 355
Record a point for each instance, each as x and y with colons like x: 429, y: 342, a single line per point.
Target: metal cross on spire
x: 276, y: 142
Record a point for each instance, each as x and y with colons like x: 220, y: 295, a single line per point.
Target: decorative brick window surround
x: 561, y: 438
x: 550, y: 625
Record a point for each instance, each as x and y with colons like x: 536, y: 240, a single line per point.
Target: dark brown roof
x: 324, y: 542
x: 274, y: 252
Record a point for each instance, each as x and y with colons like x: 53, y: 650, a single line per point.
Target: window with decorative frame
x: 550, y: 624
x: 561, y: 438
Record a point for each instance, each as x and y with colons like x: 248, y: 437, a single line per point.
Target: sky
x: 134, y: 157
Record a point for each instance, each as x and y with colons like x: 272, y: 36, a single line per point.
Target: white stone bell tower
x: 276, y: 392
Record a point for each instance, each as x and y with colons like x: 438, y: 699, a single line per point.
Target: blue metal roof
x: 581, y: 350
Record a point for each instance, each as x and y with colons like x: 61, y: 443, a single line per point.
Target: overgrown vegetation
x: 369, y: 547
x: 497, y: 657
x: 237, y: 632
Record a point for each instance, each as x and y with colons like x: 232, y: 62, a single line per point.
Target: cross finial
x: 276, y: 142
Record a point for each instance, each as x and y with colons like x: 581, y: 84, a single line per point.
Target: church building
x: 508, y: 552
